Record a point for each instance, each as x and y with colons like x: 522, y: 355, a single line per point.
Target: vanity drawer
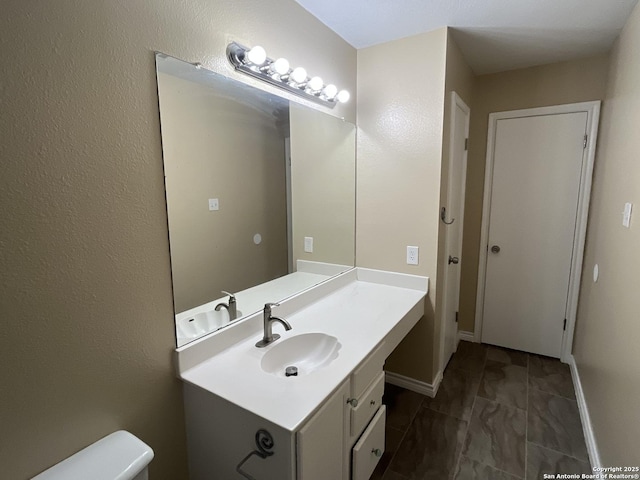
x: 367, y: 406
x: 367, y: 452
x: 367, y: 371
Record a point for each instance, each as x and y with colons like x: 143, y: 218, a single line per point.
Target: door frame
x: 593, y: 114
x: 287, y: 180
x: 456, y: 101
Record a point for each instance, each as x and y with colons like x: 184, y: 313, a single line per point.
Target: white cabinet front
x: 367, y: 406
x: 367, y: 452
x: 320, y: 441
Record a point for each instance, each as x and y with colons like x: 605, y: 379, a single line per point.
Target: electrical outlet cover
x: 412, y: 255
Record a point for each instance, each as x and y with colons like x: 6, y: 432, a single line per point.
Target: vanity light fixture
x: 254, y: 62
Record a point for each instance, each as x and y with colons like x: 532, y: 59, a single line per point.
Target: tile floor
x: 499, y: 415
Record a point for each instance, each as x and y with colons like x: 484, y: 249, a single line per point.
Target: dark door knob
x: 453, y: 260
x: 495, y: 249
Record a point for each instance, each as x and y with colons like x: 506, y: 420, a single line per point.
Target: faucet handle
x: 267, y: 307
x: 232, y: 297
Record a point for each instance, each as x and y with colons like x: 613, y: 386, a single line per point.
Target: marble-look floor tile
x: 542, y: 460
x: 496, y: 436
x: 554, y: 422
x: 393, y: 476
x: 456, y: 393
x: 392, y: 440
x: 501, y: 435
x: 504, y: 383
x: 469, y: 356
x: 402, y: 406
x: 551, y: 375
x: 506, y: 355
x: 471, y: 470
x: 430, y: 447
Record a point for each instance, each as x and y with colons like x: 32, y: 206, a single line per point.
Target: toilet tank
x: 119, y: 456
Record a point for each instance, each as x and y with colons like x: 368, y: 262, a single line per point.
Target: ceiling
x: 494, y: 35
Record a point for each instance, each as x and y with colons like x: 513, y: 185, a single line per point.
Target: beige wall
x: 88, y: 331
x: 218, y: 147
x: 608, y: 331
x: 459, y: 78
x: 323, y: 186
x: 567, y: 82
x: 399, y: 157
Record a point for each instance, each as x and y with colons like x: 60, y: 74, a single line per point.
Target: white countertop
x: 354, y: 307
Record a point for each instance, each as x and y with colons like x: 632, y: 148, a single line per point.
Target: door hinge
x: 456, y: 317
x: 466, y: 144
x: 584, y: 144
x: 564, y: 325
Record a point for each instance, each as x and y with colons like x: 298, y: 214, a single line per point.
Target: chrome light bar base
x: 236, y: 54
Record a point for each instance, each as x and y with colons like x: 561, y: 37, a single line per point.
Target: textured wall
x: 399, y: 157
x: 607, y: 331
x: 555, y: 84
x: 217, y: 147
x: 85, y: 288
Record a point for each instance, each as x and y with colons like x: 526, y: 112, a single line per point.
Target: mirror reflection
x: 260, y: 196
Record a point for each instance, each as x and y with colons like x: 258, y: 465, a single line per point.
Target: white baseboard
x: 589, y: 436
x: 428, y: 389
x: 466, y: 336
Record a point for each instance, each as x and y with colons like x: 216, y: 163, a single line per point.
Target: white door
x: 537, y: 168
x: 452, y: 217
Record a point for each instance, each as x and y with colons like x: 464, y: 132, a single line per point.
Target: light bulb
x: 280, y: 66
x: 257, y: 55
x: 330, y: 91
x: 299, y: 75
x: 343, y: 96
x: 315, y: 84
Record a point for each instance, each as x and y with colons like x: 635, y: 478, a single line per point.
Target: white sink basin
x: 194, y: 326
x: 307, y: 352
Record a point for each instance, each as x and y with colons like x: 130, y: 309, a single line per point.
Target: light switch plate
x: 308, y: 244
x: 214, y: 204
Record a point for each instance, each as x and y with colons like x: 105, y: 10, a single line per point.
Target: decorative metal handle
x: 453, y: 260
x: 231, y: 295
x: 495, y: 249
x: 443, y: 216
x: 353, y: 402
x: 377, y: 452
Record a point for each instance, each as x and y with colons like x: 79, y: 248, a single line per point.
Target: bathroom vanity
x: 246, y: 418
x: 257, y: 220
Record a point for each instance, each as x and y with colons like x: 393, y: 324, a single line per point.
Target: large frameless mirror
x: 260, y: 196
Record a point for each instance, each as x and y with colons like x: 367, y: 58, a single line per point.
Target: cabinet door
x: 321, y: 441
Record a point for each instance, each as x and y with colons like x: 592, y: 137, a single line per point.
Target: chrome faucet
x: 231, y: 306
x: 268, y: 320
